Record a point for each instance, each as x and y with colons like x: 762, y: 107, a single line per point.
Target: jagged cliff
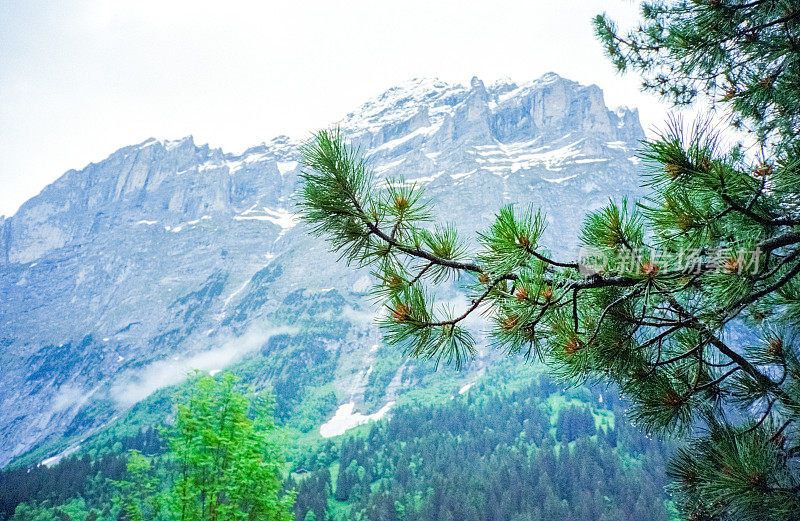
x: 169, y: 255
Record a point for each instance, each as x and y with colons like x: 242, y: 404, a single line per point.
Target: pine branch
x: 715, y: 382
x: 749, y: 299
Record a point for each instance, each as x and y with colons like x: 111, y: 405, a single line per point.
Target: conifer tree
x: 688, y: 300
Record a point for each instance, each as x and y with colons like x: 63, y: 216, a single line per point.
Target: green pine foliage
x: 693, y: 307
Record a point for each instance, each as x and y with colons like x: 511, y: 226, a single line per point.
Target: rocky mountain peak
x: 118, y: 278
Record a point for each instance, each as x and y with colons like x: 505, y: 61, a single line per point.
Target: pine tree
x: 689, y: 300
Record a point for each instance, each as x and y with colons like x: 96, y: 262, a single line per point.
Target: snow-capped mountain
x: 168, y: 255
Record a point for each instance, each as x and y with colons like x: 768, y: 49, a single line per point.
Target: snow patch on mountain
x: 279, y: 216
x: 345, y: 419
x: 284, y: 167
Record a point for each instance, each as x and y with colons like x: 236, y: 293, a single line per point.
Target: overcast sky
x: 80, y: 79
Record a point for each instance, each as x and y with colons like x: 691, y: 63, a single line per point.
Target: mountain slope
x: 166, y: 256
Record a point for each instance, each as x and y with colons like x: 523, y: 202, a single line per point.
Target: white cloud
x: 136, y: 385
x: 361, y: 316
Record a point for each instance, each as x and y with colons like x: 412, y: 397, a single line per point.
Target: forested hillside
x: 500, y: 450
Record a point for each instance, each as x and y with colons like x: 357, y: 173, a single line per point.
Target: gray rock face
x: 166, y: 252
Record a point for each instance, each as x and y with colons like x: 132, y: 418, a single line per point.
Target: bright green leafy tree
x: 225, y: 462
x: 138, y: 499
x: 228, y: 457
x: 689, y: 300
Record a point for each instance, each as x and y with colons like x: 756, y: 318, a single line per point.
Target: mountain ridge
x: 167, y: 251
